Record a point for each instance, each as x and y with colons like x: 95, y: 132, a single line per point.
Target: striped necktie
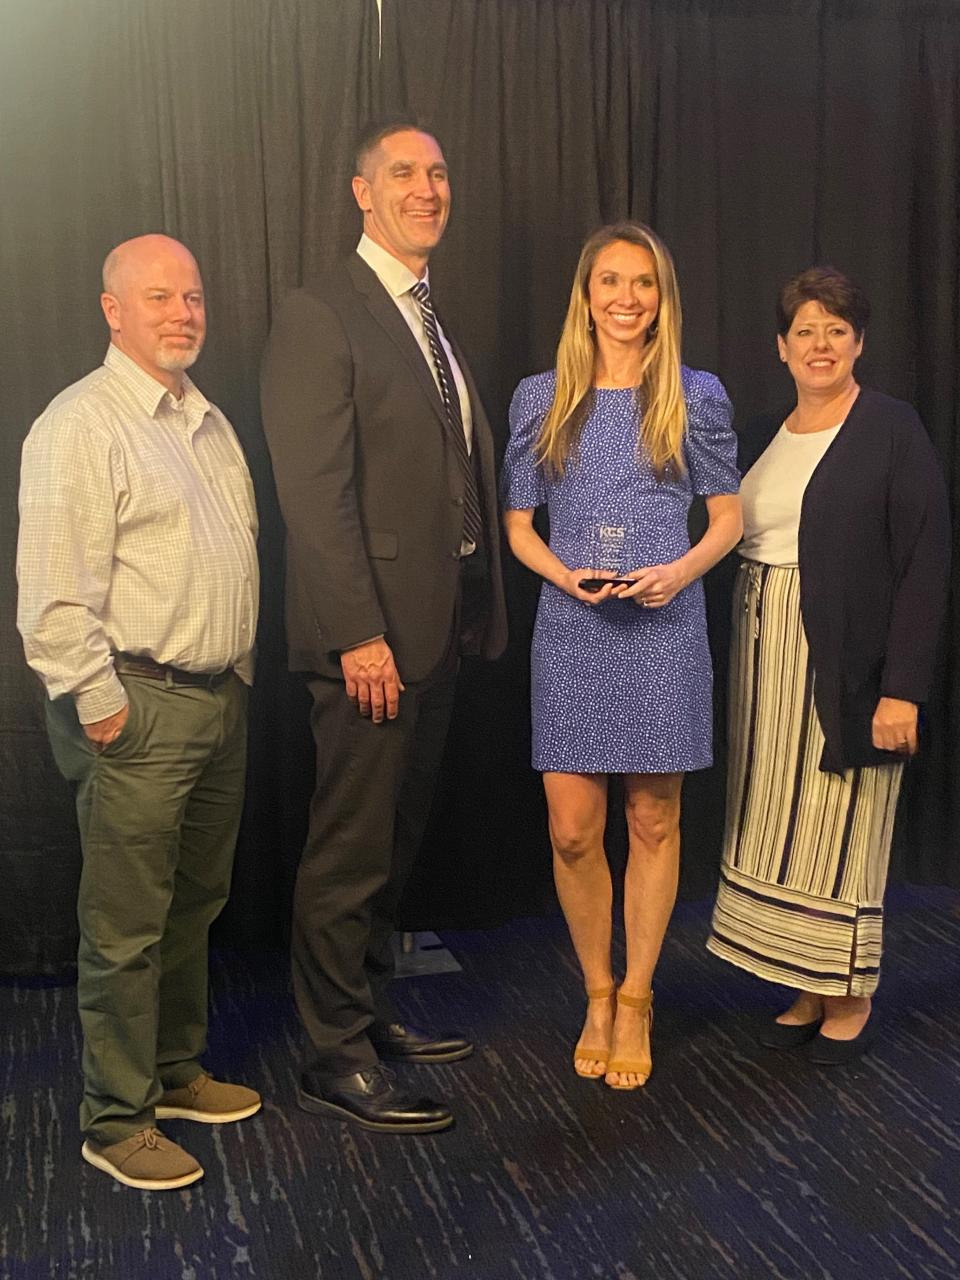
x: 472, y: 521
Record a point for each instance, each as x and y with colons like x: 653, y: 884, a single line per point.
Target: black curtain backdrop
x: 758, y: 136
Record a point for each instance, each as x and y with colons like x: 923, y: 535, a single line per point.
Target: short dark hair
x: 834, y: 291
x: 374, y: 132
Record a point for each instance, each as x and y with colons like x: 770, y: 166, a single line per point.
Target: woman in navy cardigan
x: 839, y: 601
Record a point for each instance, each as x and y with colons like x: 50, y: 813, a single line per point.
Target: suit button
x: 458, y: 502
x: 454, y: 555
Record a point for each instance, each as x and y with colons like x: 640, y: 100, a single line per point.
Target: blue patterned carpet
x: 734, y: 1162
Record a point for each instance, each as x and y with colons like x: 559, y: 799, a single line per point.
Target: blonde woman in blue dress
x: 616, y: 442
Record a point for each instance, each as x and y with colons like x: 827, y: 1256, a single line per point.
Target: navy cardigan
x: 874, y: 568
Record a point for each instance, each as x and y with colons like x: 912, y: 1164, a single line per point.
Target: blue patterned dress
x: 617, y: 688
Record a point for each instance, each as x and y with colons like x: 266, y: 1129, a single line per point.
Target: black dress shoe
x: 786, y: 1035
x: 370, y: 1099
x: 404, y: 1043
x: 826, y: 1052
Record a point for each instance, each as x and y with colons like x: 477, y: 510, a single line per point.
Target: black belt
x: 129, y: 664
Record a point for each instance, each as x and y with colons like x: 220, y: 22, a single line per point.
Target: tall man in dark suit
x: 384, y: 466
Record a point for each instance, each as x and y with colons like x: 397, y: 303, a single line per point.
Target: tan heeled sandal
x: 583, y: 1050
x: 634, y: 1066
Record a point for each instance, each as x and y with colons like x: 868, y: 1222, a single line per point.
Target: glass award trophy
x: 609, y: 546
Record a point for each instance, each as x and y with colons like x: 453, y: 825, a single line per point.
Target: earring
x: 589, y: 324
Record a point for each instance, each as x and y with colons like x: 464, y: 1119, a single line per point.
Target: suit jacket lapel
x: 387, y: 314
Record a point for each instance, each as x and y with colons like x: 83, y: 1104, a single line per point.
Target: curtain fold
x: 756, y: 135
x: 229, y: 125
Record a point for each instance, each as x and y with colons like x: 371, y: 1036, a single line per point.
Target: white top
x: 138, y: 534
x: 398, y: 280
x: 772, y: 491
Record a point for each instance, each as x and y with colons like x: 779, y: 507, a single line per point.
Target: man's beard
x: 174, y: 360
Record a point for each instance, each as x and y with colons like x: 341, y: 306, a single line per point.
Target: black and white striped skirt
x: 805, y: 853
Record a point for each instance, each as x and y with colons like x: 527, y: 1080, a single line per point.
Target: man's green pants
x: 158, y: 809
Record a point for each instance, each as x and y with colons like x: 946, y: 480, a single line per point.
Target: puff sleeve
x: 522, y: 482
x: 711, y: 446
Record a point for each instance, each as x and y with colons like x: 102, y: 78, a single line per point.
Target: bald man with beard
x: 138, y: 599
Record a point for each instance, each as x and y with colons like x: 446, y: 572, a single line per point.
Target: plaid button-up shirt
x: 138, y: 533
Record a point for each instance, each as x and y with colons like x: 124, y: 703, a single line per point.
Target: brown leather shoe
x: 148, y: 1161
x: 209, y: 1101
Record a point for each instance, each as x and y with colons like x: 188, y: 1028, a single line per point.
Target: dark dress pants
x: 374, y: 788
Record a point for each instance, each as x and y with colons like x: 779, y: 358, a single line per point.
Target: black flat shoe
x: 370, y: 1099
x: 784, y: 1035
x: 403, y: 1043
x: 826, y: 1052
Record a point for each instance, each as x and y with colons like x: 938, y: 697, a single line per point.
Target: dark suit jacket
x: 874, y: 568
x: 368, y: 479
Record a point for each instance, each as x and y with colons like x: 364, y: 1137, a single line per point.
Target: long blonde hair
x: 660, y: 394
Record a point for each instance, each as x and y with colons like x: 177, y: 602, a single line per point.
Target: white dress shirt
x: 138, y: 533
x: 398, y: 280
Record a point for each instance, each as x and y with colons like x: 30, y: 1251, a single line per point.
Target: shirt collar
x: 150, y: 393
x: 392, y: 274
